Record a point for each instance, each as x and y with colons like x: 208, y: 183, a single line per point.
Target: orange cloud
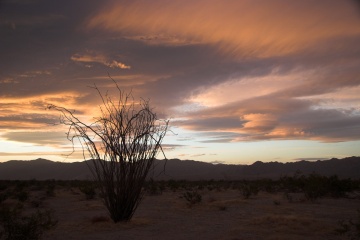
x: 30, y: 112
x: 89, y: 58
x: 242, y: 88
x: 258, y: 122
x: 245, y: 28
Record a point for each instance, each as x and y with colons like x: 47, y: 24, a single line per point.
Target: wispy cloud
x: 310, y: 159
x: 89, y: 58
x: 37, y: 137
x: 240, y: 28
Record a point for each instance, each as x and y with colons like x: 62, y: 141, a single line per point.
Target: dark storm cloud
x: 40, y: 36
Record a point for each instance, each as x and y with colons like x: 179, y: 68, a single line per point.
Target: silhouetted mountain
x: 185, y: 169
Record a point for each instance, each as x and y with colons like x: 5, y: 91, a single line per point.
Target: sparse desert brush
x: 173, y: 185
x: 153, y: 188
x: 88, y: 190
x: 249, y: 189
x: 4, y: 196
x: 350, y: 228
x: 316, y: 186
x: 16, y: 225
x: 20, y: 185
x: 3, y: 185
x: 22, y: 196
x: 192, y: 197
x: 50, y: 188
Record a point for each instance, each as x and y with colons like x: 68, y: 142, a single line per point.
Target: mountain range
x: 176, y: 169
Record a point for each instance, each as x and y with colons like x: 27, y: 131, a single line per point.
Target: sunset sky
x: 240, y: 80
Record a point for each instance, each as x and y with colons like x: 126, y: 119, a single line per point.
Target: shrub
x: 153, y: 188
x: 50, y: 188
x: 350, y: 228
x: 123, y: 143
x: 16, y: 226
x: 20, y: 185
x: 315, y: 187
x: 173, y: 185
x: 192, y: 197
x: 249, y: 189
x: 3, y: 196
x: 89, y: 191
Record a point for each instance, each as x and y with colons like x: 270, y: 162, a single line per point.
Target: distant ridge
x: 42, y: 169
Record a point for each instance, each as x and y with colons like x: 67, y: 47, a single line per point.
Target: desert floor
x: 223, y: 214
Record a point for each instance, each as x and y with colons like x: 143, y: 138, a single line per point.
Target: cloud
x: 198, y: 155
x: 217, y: 162
x: 170, y: 147
x: 88, y: 58
x: 31, y: 112
x: 31, y: 74
x: 273, y: 117
x: 240, y: 28
x: 8, y: 81
x: 162, y: 40
x: 23, y: 121
x: 311, y: 159
x: 37, y: 137
x: 212, y: 123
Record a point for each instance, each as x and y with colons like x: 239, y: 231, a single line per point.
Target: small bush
x: 249, y: 189
x: 350, y: 228
x: 89, y: 191
x: 20, y: 185
x: 16, y: 226
x: 153, y: 188
x: 173, y: 185
x: 3, y: 196
x: 192, y: 197
x: 50, y: 189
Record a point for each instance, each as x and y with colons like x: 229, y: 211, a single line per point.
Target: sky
x: 239, y: 80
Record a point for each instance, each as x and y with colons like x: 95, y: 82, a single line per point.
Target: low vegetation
x: 192, y: 197
x: 17, y: 225
x: 350, y: 228
x: 24, y: 213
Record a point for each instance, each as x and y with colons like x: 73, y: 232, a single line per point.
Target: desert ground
x: 222, y: 213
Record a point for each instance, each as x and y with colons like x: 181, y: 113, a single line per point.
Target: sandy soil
x: 220, y: 215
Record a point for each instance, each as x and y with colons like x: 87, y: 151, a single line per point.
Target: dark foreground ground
x: 193, y: 210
